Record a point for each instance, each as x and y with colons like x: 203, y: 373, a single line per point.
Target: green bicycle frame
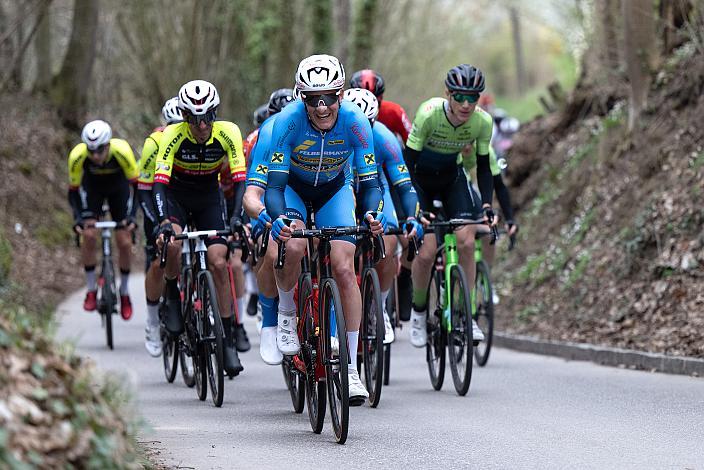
x: 452, y: 259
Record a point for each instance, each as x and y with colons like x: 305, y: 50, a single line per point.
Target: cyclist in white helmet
x: 186, y: 189
x: 154, y: 278
x: 103, y: 168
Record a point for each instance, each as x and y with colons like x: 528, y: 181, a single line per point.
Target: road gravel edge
x: 614, y: 357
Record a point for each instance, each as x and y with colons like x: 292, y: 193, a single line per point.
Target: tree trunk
x: 69, y: 88
x: 639, y: 52
x: 322, y: 27
x: 42, y: 45
x: 363, y: 34
x: 342, y: 27
x: 606, y: 12
x: 518, y: 50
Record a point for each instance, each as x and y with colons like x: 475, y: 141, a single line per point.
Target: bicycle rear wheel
x: 311, y: 352
x: 108, y: 299
x: 459, y: 340
x: 437, y: 336
x: 213, y: 333
x: 372, y: 336
x: 391, y: 310
x: 336, y: 362
x: 485, y: 313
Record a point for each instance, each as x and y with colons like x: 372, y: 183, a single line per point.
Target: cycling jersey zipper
x: 320, y: 164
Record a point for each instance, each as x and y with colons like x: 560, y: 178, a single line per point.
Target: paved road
x: 523, y: 411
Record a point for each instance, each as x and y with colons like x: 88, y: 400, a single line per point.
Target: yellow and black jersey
x: 119, y: 164
x: 184, y: 164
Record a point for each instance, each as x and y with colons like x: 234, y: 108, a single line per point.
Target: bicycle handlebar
x: 412, y: 241
x: 202, y: 234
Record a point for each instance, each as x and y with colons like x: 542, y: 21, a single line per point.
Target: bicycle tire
x: 391, y: 310
x: 108, y: 298
x: 459, y: 339
x: 187, y: 370
x: 336, y: 367
x: 372, y: 335
x: 185, y: 350
x: 435, y: 348
x: 170, y: 357
x: 484, y: 315
x: 213, y: 336
x: 311, y: 351
x: 295, y: 385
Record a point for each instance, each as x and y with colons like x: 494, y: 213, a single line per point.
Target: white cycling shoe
x: 477, y: 334
x: 286, y: 337
x: 268, y: 349
x: 152, y: 341
x: 358, y: 394
x: 389, y: 335
x: 419, y: 332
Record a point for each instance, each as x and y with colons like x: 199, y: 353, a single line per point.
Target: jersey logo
x: 304, y: 146
x: 162, y: 166
x: 336, y: 142
x: 369, y: 159
x: 262, y: 169
x: 402, y: 168
x: 277, y: 157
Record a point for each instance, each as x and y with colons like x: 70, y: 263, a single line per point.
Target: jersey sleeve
x: 231, y: 138
x: 170, y: 141
x: 484, y: 138
x: 419, y: 129
x: 147, y: 162
x: 364, y: 160
x: 391, y: 156
x: 258, y: 169
x: 76, y: 159
x: 278, y: 155
x: 122, y: 152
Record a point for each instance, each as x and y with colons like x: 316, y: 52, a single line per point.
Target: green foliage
x: 57, y: 233
x: 577, y: 272
x: 528, y: 312
x: 5, y: 260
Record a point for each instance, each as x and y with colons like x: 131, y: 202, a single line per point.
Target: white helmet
x: 96, y: 133
x: 365, y: 99
x: 198, y: 97
x: 320, y: 73
x: 171, y: 112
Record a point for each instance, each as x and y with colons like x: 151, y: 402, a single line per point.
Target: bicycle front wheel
x: 372, y: 336
x: 437, y: 335
x: 336, y: 362
x: 213, y: 332
x: 108, y: 299
x: 311, y: 352
x: 459, y: 340
x: 485, y: 313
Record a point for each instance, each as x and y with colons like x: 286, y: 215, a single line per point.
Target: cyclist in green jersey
x: 442, y: 129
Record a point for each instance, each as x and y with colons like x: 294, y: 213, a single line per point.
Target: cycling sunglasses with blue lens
x: 469, y: 97
x: 196, y: 119
x: 327, y: 99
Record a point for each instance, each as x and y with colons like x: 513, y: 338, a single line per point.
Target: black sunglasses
x: 327, y: 99
x: 196, y: 120
x: 98, y: 149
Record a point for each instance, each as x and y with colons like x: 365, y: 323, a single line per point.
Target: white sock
x: 251, y: 282
x: 124, y: 282
x: 91, y: 282
x: 416, y: 314
x: 152, y: 314
x: 241, y: 308
x: 286, y: 303
x: 384, y: 296
x: 352, y: 338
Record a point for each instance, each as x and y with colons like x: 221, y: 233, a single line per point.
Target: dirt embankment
x: 611, y: 248
x: 54, y: 410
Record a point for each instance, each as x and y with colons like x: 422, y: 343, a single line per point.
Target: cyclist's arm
x: 364, y: 161
x: 238, y: 166
x: 76, y: 159
x: 503, y: 196
x: 397, y: 170
x: 162, y: 173
x: 125, y: 158
x: 279, y: 158
x: 150, y: 150
x: 485, y: 180
x: 252, y: 200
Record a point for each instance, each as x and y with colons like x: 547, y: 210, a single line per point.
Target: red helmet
x: 368, y: 79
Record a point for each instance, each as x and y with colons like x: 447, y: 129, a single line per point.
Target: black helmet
x: 368, y: 79
x: 260, y: 114
x: 465, y: 78
x: 279, y: 100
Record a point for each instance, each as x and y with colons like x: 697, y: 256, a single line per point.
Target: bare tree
x: 518, y: 49
x: 342, y: 28
x: 42, y: 47
x: 606, y: 13
x: 364, y: 34
x: 322, y: 27
x: 639, y: 52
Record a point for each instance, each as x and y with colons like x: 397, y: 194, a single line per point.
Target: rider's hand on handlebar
x: 165, y: 230
x: 280, y: 230
x: 426, y: 218
x: 489, y: 216
x: 263, y: 218
x: 377, y: 222
x: 78, y: 227
x: 130, y: 223
x: 511, y: 228
x: 416, y: 230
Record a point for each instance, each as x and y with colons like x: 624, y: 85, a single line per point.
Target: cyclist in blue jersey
x: 253, y: 203
x: 313, y: 144
x: 389, y: 160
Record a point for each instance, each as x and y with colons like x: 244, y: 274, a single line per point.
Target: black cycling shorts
x: 205, y: 209
x: 117, y: 195
x: 459, y: 199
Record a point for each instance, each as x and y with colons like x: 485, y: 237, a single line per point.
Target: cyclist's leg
x: 387, y: 267
x: 286, y: 278
x: 268, y: 294
x: 461, y: 201
x: 177, y: 216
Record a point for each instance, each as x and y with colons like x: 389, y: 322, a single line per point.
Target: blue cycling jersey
x: 310, y: 160
x: 257, y: 175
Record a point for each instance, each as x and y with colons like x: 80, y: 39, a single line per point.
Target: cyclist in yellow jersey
x: 154, y: 278
x: 186, y: 191
x: 103, y: 168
